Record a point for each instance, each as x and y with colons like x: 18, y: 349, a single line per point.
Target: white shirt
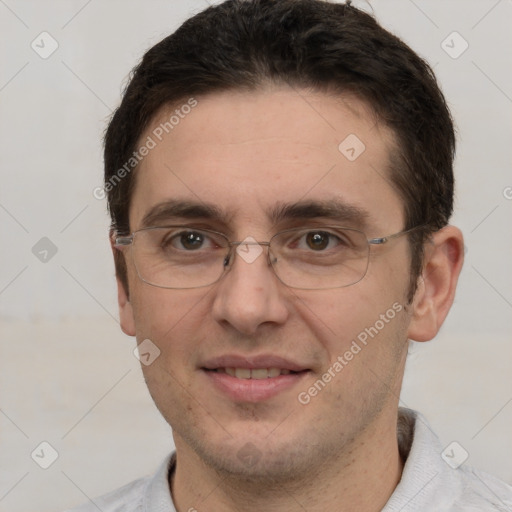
x: 428, y: 482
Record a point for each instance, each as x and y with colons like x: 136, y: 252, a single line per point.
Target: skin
x: 244, y: 152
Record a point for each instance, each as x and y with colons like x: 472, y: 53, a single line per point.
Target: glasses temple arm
x: 384, y: 239
x: 123, y: 240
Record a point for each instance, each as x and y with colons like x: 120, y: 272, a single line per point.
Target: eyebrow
x: 175, y: 208
x: 332, y: 209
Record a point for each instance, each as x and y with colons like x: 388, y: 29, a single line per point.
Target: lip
x: 259, y: 361
x: 252, y: 390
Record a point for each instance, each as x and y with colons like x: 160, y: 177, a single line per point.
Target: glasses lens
x: 320, y: 258
x: 179, y: 257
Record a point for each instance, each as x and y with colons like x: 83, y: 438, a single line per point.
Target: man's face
x: 245, y: 154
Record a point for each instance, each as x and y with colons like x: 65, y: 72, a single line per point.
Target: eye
x: 187, y: 240
x: 318, y: 241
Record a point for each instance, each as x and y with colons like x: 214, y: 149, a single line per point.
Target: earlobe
x: 126, y: 319
x: 442, y: 264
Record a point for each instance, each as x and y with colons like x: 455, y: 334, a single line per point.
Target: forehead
x: 248, y: 152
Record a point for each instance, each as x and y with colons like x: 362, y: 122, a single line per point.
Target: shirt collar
x: 424, y: 469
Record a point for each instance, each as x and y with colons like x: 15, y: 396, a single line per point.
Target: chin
x: 262, y: 458
x: 257, y: 464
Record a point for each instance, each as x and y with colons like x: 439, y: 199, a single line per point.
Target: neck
x: 362, y: 477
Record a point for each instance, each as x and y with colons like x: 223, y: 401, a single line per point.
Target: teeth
x: 259, y: 373
x: 274, y: 372
x: 243, y: 373
x: 255, y: 373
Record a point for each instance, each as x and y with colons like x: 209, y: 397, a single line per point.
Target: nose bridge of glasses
x: 248, y: 249
x: 248, y: 242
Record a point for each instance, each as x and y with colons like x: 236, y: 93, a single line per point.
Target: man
x: 279, y: 176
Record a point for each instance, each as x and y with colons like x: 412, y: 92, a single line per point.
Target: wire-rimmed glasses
x: 310, y: 258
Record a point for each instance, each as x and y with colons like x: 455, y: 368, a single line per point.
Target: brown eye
x: 317, y: 240
x: 185, y: 241
x: 191, y: 240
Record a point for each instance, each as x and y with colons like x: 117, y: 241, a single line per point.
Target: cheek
x: 164, y: 313
x: 362, y: 336
x: 169, y: 319
x: 338, y: 316
x: 364, y: 325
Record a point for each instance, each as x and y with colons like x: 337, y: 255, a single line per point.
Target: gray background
x: 68, y: 375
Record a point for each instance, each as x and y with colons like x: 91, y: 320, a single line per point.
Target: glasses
x: 312, y: 258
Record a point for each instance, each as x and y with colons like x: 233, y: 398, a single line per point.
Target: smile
x: 252, y: 379
x: 254, y: 373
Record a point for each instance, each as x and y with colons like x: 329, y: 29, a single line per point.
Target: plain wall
x: 68, y: 375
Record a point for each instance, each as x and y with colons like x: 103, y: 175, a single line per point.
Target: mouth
x: 254, y: 373
x: 255, y: 379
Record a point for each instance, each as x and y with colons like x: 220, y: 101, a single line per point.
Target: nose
x: 249, y: 293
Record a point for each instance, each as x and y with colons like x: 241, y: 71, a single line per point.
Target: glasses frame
x: 123, y: 241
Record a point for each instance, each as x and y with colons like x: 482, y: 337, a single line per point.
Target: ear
x: 126, y: 318
x: 443, y: 259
